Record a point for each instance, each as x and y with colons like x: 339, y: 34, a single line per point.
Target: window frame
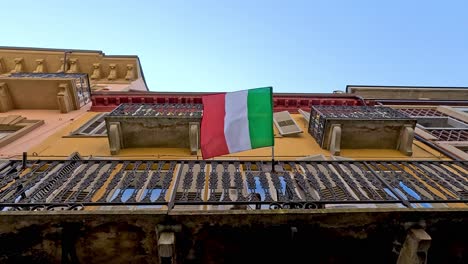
x: 19, y: 128
x: 79, y: 132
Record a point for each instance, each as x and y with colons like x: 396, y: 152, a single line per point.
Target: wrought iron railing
x: 211, y: 185
x: 454, y: 134
x: 158, y: 110
x: 413, y: 112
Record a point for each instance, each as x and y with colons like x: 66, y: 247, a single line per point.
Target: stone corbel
x: 115, y: 137
x: 405, y: 142
x: 61, y: 69
x: 194, y: 136
x: 18, y: 65
x: 166, y: 242
x: 112, y: 72
x: 415, y: 247
x: 334, y: 144
x: 166, y: 247
x: 130, y: 76
x: 40, y: 67
x: 96, y: 75
x: 6, y: 103
x: 73, y: 65
x: 63, y: 98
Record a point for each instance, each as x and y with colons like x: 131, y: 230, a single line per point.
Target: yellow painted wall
x: 60, y: 146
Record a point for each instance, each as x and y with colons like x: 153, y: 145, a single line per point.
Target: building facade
x: 96, y: 168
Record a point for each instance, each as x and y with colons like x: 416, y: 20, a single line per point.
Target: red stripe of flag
x: 213, y: 141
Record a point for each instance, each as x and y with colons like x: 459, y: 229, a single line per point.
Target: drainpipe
x: 65, y: 60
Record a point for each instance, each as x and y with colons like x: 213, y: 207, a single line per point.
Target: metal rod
x: 64, y: 61
x: 25, y: 160
x: 272, y: 158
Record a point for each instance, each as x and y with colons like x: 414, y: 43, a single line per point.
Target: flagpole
x: 272, y: 158
x: 272, y: 147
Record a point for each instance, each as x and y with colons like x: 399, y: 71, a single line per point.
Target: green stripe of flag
x: 260, y: 115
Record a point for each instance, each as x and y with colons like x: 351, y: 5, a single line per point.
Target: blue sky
x: 294, y: 46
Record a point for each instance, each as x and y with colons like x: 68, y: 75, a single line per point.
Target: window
x: 13, y: 127
x: 94, y: 127
x: 440, y: 122
x: 285, y: 123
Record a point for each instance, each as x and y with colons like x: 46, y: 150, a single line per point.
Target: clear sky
x: 226, y: 45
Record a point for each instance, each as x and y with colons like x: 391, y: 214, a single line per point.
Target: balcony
x: 171, y: 211
x: 361, y: 127
x: 220, y: 185
x: 154, y: 125
x: 62, y: 91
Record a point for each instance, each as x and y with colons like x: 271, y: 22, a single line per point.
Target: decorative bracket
x: 18, y: 65
x: 112, y: 72
x: 40, y: 67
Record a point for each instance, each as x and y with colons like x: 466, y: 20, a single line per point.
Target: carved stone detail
x: 61, y: 69
x: 6, y: 103
x: 40, y: 67
x: 96, y: 75
x: 18, y: 65
x: 112, y: 71
x: 63, y: 98
x: 115, y: 138
x: 130, y: 76
x: 2, y: 66
x: 73, y: 65
x: 194, y: 136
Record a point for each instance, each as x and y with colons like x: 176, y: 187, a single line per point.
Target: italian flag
x: 236, y: 121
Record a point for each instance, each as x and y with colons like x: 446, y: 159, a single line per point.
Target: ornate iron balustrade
x: 212, y: 185
x: 159, y: 110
